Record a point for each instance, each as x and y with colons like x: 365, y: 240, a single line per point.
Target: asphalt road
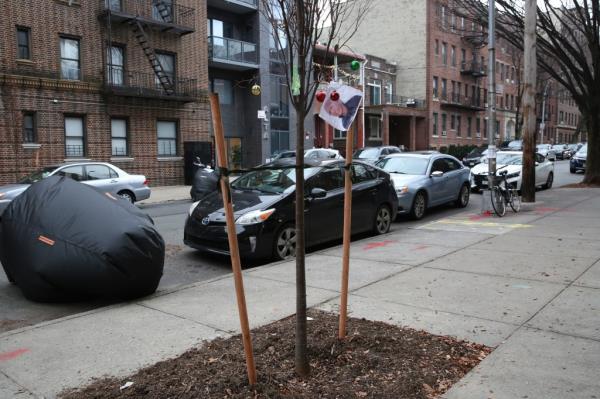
x: 184, y: 265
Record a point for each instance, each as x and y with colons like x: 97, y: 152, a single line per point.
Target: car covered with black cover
x: 62, y: 240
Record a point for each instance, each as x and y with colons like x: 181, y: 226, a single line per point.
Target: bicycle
x: 504, y: 193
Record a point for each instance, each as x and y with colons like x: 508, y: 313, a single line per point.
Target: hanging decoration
x: 334, y: 95
x: 354, y: 65
x: 321, y: 95
x: 256, y: 90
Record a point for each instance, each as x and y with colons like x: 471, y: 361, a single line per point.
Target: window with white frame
x: 339, y: 134
x: 70, y: 67
x: 166, y: 138
x: 375, y: 93
x: 374, y: 128
x: 74, y: 137
x: 118, y: 132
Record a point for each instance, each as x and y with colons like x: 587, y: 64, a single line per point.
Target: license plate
x: 484, y: 182
x: 472, y: 164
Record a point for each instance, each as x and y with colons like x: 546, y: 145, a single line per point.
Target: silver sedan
x: 103, y: 176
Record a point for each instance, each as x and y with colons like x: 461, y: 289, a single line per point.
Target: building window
x: 497, y: 128
x: 435, y: 124
x: 453, y: 56
x: 445, y: 53
x: 469, y: 126
x: 163, y: 10
x: 23, y: 43
x: 477, y: 127
x: 458, y: 127
x: 70, y: 67
x: 166, y: 138
x: 463, y: 55
x: 389, y: 93
x: 375, y: 131
x: 116, y: 65
x: 436, y: 48
x: 224, y: 88
x: 444, y: 89
x: 375, y: 93
x: 443, y: 124
x: 74, y: 137
x: 485, y: 128
x: 118, y: 132
x: 167, y: 61
x: 29, y: 131
x: 435, y: 87
x: 280, y: 140
x: 443, y: 16
x: 339, y: 134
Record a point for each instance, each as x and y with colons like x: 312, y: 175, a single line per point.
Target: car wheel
x: 549, y: 181
x: 285, y: 242
x: 128, y: 195
x: 419, y: 205
x: 573, y: 170
x: 463, y: 196
x: 383, y: 220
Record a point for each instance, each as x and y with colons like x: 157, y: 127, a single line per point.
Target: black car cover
x: 62, y: 240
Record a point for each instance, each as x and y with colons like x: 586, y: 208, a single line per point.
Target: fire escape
x: 145, y: 18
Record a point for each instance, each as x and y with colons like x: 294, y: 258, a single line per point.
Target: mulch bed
x: 377, y: 360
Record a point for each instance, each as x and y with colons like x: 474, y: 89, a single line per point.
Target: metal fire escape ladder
x: 144, y: 42
x: 164, y: 9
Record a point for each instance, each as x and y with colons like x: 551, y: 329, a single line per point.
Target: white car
x: 512, y: 162
x: 322, y: 153
x: 547, y: 151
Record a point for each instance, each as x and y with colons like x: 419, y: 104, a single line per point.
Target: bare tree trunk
x: 592, y: 164
x: 529, y: 115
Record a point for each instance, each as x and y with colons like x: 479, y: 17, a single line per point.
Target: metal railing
x: 74, y: 151
x: 459, y: 99
x: 398, y: 100
x: 473, y: 67
x: 222, y: 48
x: 160, y: 11
x: 146, y: 84
x: 253, y: 3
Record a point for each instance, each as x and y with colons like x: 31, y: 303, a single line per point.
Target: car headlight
x: 401, y: 190
x: 513, y: 175
x: 194, y: 205
x: 254, y: 217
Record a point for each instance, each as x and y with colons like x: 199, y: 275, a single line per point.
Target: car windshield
x: 476, y: 152
x: 38, y: 175
x: 271, y: 181
x: 509, y: 159
x: 558, y: 147
x: 515, y: 143
x: 404, y: 165
x: 582, y: 151
x: 544, y: 147
x: 367, y: 153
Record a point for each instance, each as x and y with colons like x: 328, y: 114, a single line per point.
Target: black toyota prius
x: 263, y: 203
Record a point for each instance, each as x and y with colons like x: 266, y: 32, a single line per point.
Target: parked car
x: 573, y: 148
x: 547, y: 151
x: 515, y: 145
x: 578, y: 160
x: 474, y: 156
x: 264, y: 209
x: 283, y: 154
x: 374, y: 154
x: 512, y: 162
x: 322, y: 153
x: 104, y: 176
x: 561, y: 151
x: 426, y: 180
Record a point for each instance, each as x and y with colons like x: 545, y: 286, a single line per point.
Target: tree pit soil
x: 376, y: 360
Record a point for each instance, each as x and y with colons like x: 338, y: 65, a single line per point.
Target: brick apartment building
x: 441, y: 72
x: 121, y: 81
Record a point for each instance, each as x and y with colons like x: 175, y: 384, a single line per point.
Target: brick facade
x: 34, y: 86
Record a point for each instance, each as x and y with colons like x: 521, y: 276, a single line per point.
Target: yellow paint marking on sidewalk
x: 483, y: 224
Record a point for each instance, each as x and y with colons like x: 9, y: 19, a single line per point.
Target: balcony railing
x: 394, y: 99
x: 473, y: 68
x: 159, y: 13
x: 459, y: 100
x: 225, y: 50
x: 127, y: 83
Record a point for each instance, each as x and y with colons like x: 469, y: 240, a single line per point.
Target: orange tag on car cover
x: 46, y: 240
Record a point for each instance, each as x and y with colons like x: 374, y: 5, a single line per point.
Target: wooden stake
x: 347, y: 233
x: 232, y: 237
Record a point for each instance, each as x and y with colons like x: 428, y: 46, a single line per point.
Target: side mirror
x: 318, y: 193
x: 437, y: 173
x: 537, y: 163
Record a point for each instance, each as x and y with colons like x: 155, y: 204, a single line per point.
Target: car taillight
x: 145, y: 182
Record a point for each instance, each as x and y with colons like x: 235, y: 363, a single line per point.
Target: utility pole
x: 491, y: 111
x: 529, y: 115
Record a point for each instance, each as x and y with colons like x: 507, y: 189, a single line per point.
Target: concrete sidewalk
x: 163, y: 194
x: 527, y: 284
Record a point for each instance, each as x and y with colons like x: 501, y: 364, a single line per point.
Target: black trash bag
x: 206, y: 181
x: 62, y: 241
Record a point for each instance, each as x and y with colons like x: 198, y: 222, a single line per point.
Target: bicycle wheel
x: 515, y: 200
x: 498, y: 201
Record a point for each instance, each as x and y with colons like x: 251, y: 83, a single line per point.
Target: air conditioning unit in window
x: 478, y: 134
x: 444, y: 134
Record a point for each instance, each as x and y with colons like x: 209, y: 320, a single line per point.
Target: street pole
x: 543, y: 123
x: 529, y: 115
x: 491, y: 111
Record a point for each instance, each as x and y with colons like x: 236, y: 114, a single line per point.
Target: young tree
x: 297, y: 26
x: 568, y: 45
